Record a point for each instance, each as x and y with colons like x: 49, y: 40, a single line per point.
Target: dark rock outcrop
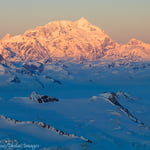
x: 42, y: 98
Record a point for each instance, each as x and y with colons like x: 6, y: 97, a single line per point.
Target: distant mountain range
x: 79, y: 40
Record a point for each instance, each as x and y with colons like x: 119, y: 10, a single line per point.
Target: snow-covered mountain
x: 78, y: 40
x: 134, y: 50
x: 69, y: 86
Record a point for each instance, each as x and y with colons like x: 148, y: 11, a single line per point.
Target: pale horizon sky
x: 121, y: 20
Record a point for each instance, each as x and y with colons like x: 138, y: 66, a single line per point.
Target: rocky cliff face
x: 78, y: 40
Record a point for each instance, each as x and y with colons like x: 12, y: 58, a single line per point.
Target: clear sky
x: 121, y: 19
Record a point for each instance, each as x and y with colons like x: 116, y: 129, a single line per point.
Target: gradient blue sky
x: 121, y: 19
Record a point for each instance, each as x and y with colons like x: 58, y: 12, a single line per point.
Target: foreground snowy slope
x: 97, y: 120
x: 86, y: 115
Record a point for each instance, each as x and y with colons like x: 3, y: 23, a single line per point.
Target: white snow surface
x: 76, y: 113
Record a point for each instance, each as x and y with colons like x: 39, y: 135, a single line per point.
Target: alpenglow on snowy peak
x: 78, y: 40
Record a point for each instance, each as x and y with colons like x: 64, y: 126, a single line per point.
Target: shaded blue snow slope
x: 83, y: 109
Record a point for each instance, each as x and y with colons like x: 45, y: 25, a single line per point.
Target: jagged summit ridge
x: 67, y: 39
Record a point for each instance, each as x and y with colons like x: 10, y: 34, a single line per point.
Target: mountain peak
x: 134, y: 41
x: 82, y: 22
x: 7, y: 36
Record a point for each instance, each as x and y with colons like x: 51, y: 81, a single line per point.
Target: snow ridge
x: 112, y: 97
x: 44, y: 125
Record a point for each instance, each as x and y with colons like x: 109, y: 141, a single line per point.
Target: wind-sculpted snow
x: 44, y: 125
